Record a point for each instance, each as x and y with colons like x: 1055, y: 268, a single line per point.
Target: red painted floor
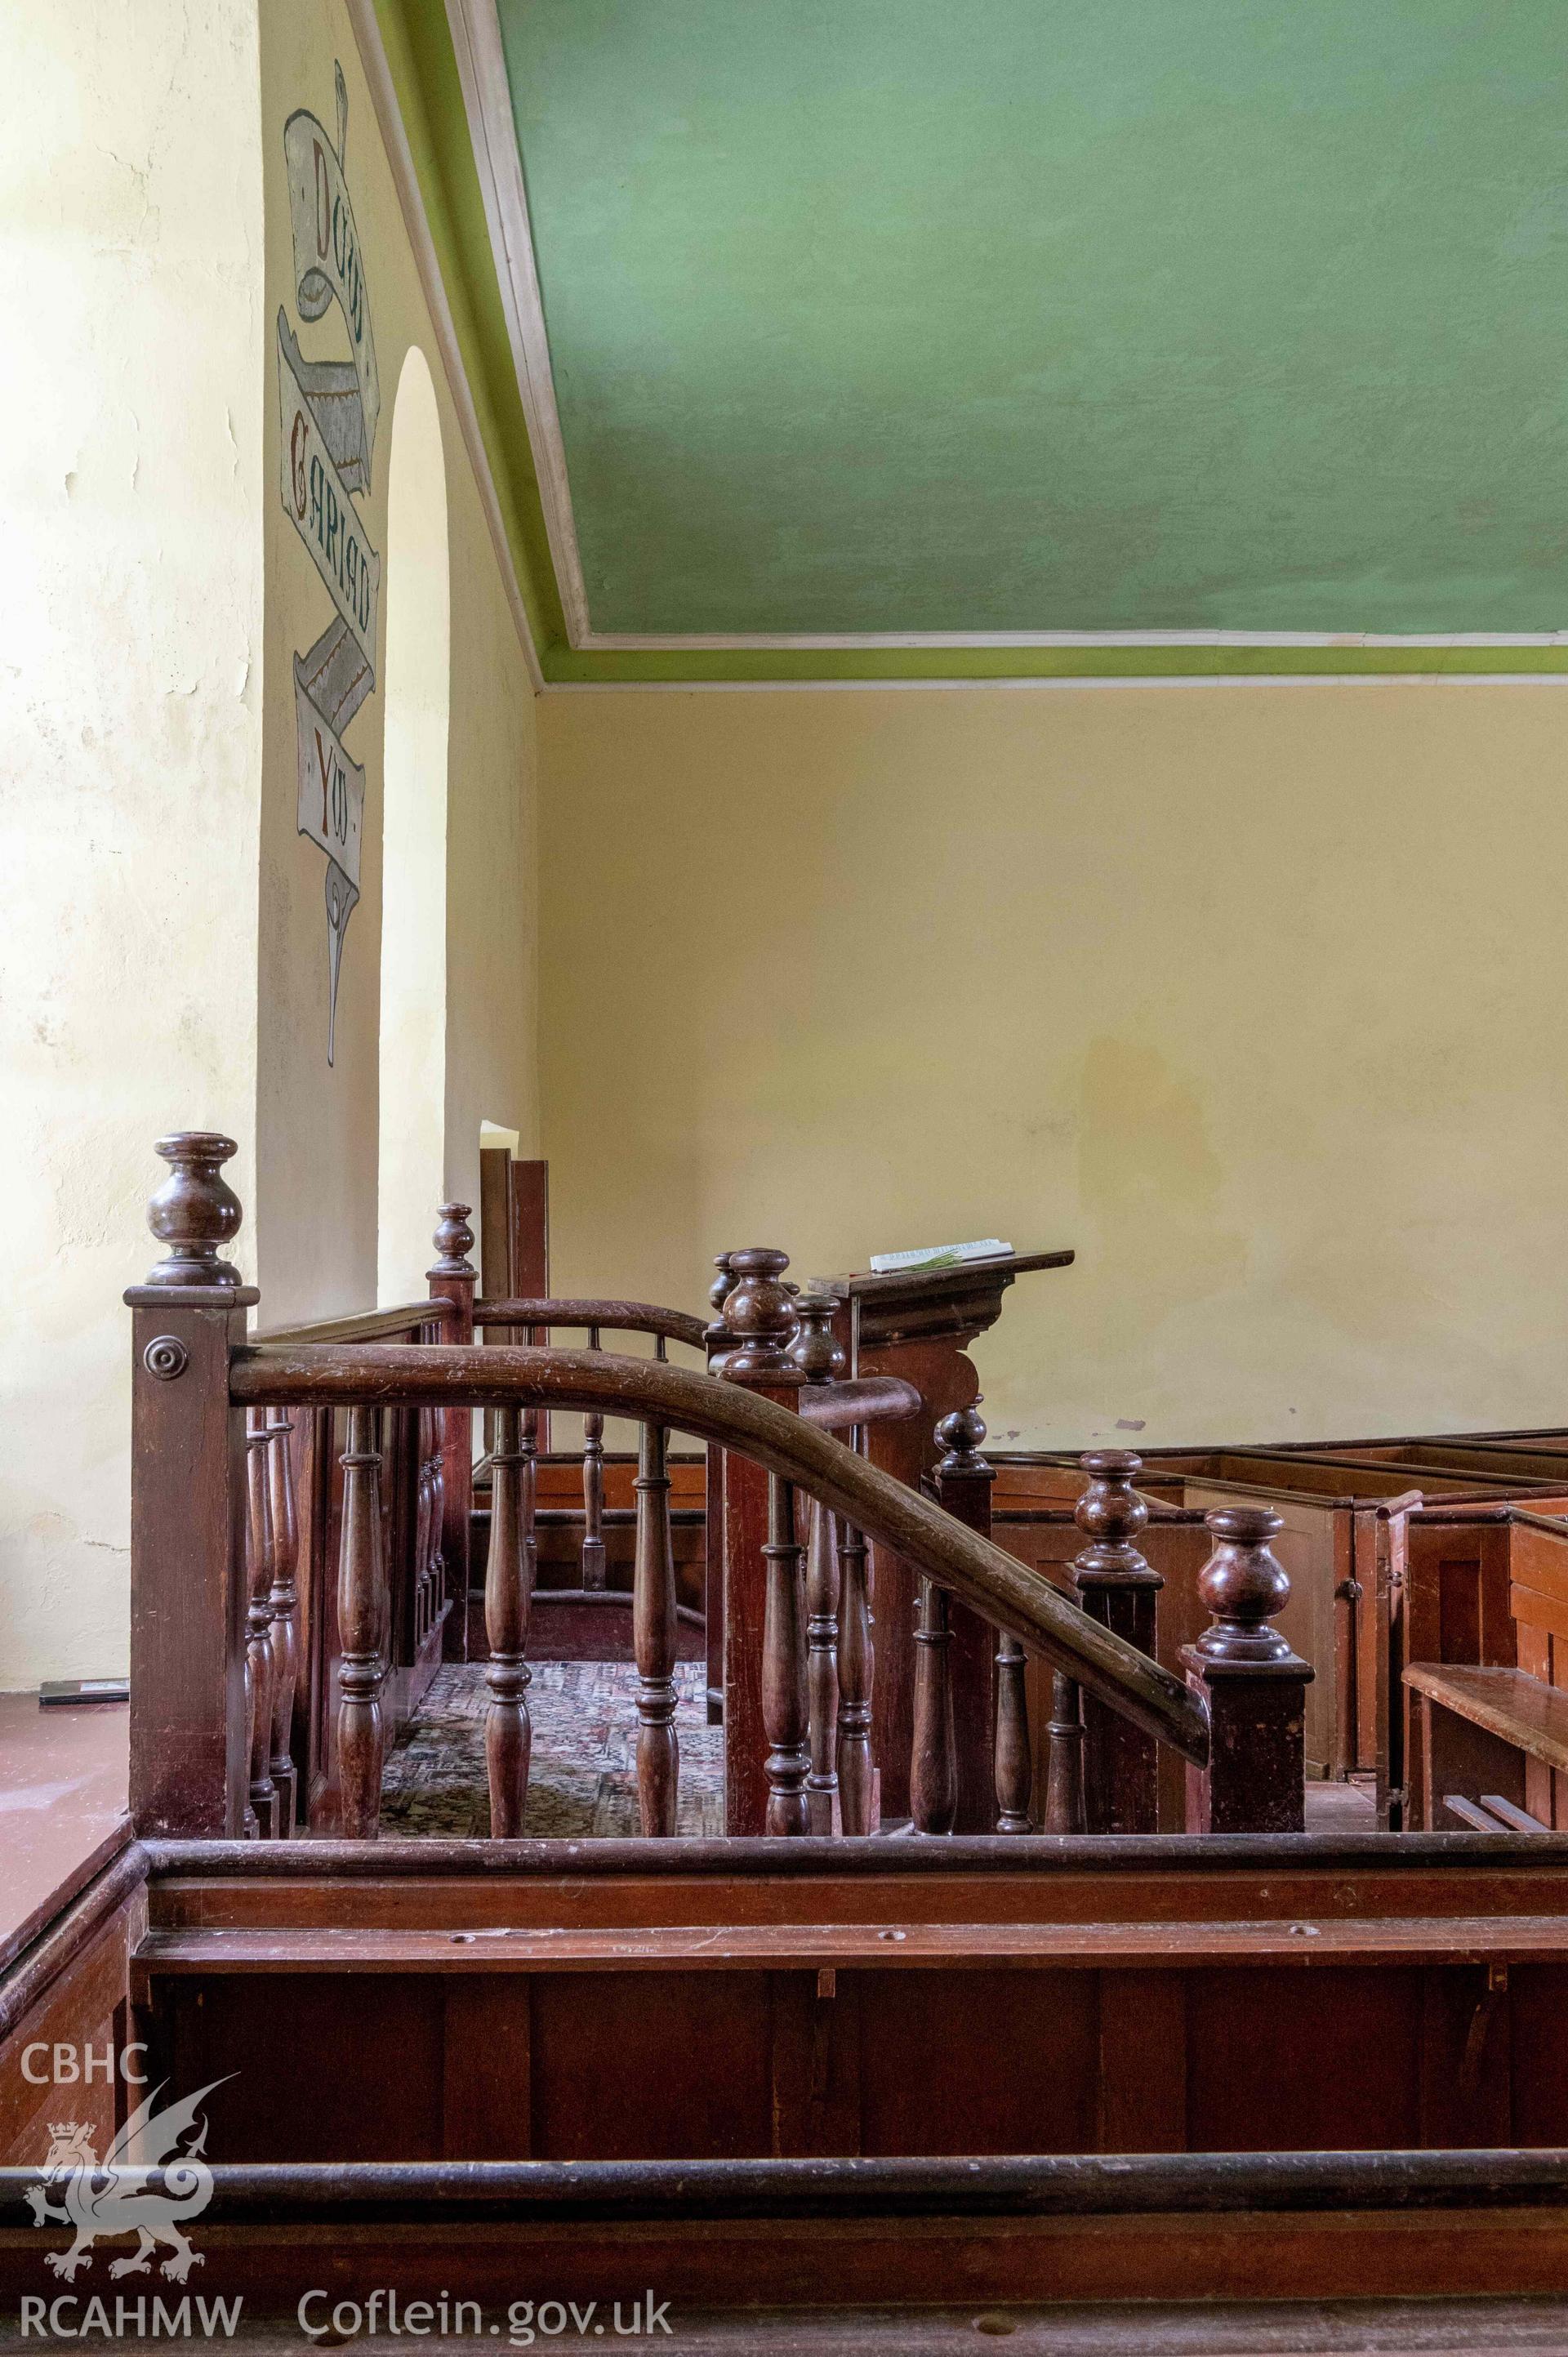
x: 62, y: 1807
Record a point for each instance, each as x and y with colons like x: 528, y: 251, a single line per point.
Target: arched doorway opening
x: 412, y: 1159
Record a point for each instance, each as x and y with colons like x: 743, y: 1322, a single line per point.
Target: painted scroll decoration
x: 327, y: 413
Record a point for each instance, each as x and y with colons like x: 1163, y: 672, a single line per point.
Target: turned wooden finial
x: 816, y: 1349
x: 454, y: 1242
x: 760, y: 1314
x: 722, y: 1286
x: 1244, y: 1585
x: 195, y: 1210
x: 960, y: 1436
x: 1111, y: 1516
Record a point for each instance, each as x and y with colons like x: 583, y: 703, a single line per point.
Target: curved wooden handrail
x: 619, y: 1317
x: 366, y: 1325
x: 862, y: 1399
x: 1006, y: 1592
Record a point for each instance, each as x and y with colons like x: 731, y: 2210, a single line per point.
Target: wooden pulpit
x: 919, y: 1324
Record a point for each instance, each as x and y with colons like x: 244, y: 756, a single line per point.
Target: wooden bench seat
x: 1479, y: 1728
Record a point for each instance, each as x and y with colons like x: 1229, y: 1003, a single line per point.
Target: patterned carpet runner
x: 582, y: 1777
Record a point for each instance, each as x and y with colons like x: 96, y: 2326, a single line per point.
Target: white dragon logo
x: 148, y: 2196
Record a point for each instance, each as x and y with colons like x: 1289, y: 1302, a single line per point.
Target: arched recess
x: 413, y: 841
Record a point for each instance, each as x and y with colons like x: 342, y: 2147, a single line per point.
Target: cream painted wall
x: 1256, y: 995
x: 130, y: 388
x: 318, y: 1126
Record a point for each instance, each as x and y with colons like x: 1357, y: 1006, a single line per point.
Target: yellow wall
x: 319, y: 1126
x: 131, y: 591
x: 1256, y: 995
x: 163, y: 960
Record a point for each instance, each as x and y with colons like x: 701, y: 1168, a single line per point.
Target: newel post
x: 1119, y: 1588
x: 962, y: 1482
x: 454, y: 1279
x: 189, y: 1739
x: 764, y: 1688
x: 717, y: 1339
x: 1252, y: 1682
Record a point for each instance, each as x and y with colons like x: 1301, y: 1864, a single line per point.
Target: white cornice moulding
x: 395, y: 139
x: 492, y: 130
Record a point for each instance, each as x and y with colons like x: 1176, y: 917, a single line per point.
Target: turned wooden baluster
x: 821, y: 1358
x: 1252, y: 1682
x: 717, y: 1341
x: 1064, y: 1767
x: 963, y: 1480
x: 508, y: 1733
x: 284, y: 1601
x: 856, y: 1668
x: 361, y: 1621
x: 593, y: 1490
x: 933, y: 1762
x: 759, y: 1318
x: 260, y: 1567
x: 1119, y: 1588
x: 1014, y: 1760
x: 653, y: 1639
x: 785, y: 1712
x: 452, y: 1277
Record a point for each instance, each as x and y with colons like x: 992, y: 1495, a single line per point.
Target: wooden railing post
x: 361, y: 1629
x: 653, y: 1639
x: 508, y: 1729
x: 189, y: 1757
x: 593, y: 1554
x: 858, y: 1810
x: 821, y: 1359
x: 1013, y: 1759
x: 1119, y: 1588
x: 1064, y: 1764
x: 454, y: 1278
x: 785, y: 1704
x: 717, y: 1341
x: 1255, y: 1686
x: 285, y: 1600
x: 962, y: 1482
x: 759, y: 1316
x: 933, y: 1764
x: 260, y: 1563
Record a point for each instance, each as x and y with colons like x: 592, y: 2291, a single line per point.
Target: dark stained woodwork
x: 823, y: 1589
x: 284, y: 1599
x: 961, y: 1483
x: 918, y: 1325
x: 189, y: 1758
x: 362, y: 1624
x: 1118, y: 1587
x: 933, y: 1767
x: 507, y: 1591
x: 654, y: 1640
x: 1254, y: 1683
x: 260, y: 1567
x: 716, y: 1339
x: 785, y: 1704
x: 454, y: 1278
x: 593, y: 1558
x: 858, y: 1809
x: 1013, y: 1759
x: 1064, y: 1811
x: 739, y: 1417
x: 759, y: 1322
x: 545, y: 1312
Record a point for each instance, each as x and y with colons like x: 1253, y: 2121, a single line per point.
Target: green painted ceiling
x: 1034, y: 316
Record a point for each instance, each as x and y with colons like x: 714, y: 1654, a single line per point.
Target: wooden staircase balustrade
x: 284, y: 1635
x: 653, y: 1640
x: 962, y: 1484
x: 858, y: 1808
x: 260, y: 1812
x: 507, y: 1590
x: 1120, y: 1588
x: 1236, y: 1718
